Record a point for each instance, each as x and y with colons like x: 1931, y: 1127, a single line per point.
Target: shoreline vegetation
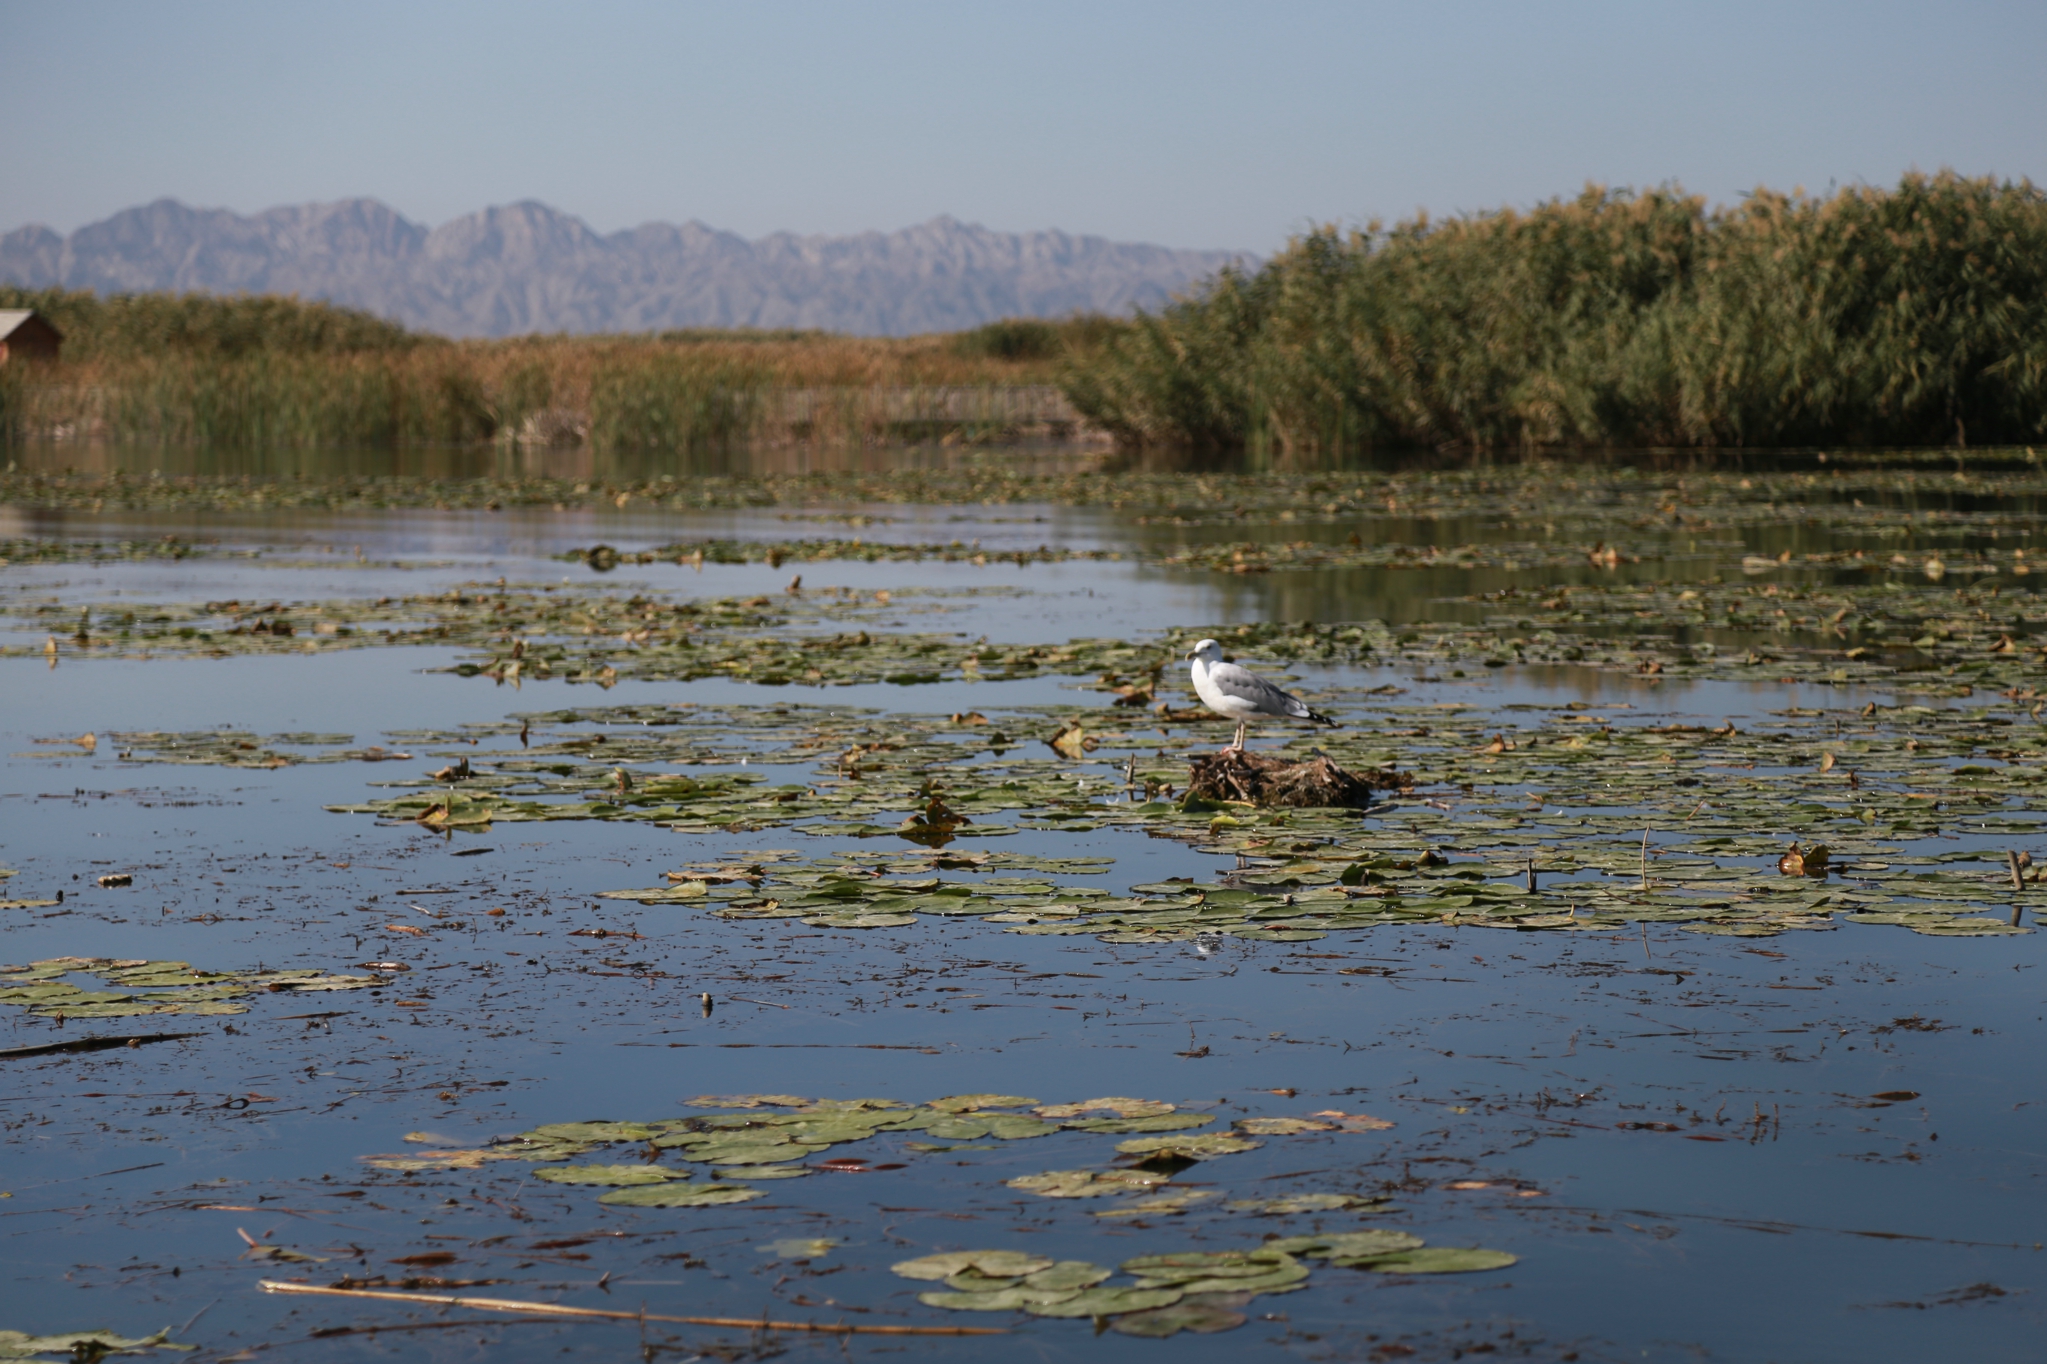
x: 1914, y: 316
x: 265, y: 371
x: 1908, y: 317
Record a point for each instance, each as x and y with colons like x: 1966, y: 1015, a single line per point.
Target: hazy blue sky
x: 1191, y: 124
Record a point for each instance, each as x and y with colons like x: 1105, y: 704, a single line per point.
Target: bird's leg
x: 1237, y: 744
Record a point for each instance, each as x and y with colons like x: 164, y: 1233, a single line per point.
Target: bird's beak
x: 1188, y: 654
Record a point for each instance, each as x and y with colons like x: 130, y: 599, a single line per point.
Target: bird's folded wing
x: 1241, y: 684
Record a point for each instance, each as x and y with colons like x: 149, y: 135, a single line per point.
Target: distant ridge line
x: 527, y: 268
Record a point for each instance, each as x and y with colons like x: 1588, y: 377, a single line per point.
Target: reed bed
x: 1911, y: 316
x: 261, y: 371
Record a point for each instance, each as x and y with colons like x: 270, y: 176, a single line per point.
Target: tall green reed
x: 274, y: 400
x: 661, y: 400
x: 1909, y: 316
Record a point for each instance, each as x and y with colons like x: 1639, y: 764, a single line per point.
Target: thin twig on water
x: 549, y: 1309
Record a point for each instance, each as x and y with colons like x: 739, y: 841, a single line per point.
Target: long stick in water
x: 598, y: 1313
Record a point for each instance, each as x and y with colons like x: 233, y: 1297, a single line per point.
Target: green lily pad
x: 1121, y: 1107
x: 1185, y: 1266
x: 523, y: 1149
x: 1204, y: 1146
x: 1001, y: 1300
x: 1435, y: 1260
x: 993, y: 1263
x: 1348, y: 1245
x: 971, y: 1280
x: 594, y: 1131
x: 1160, y: 1205
x: 1280, y: 1127
x: 1203, y: 1315
x: 971, y: 1103
x: 617, y: 1176
x: 1165, y: 1122
x: 1015, y: 1126
x: 748, y: 1153
x: 1069, y: 1274
x: 1280, y: 1279
x: 681, y: 1196
x: 1086, y: 1183
x: 954, y: 1128
x: 82, y: 1344
x: 1108, y: 1302
x: 439, y: 1160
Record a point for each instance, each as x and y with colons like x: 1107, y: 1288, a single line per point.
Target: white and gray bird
x: 1239, y: 694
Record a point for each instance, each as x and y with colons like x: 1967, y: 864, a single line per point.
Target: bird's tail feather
x: 1317, y: 717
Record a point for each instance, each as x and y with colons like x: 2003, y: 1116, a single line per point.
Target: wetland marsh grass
x: 265, y: 371
x: 1913, y: 316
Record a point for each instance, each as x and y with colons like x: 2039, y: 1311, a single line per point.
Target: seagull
x: 1239, y: 694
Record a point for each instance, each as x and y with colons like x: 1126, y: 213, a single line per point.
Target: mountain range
x: 527, y: 268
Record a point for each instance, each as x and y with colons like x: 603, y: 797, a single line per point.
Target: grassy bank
x: 1911, y: 316
x: 265, y: 371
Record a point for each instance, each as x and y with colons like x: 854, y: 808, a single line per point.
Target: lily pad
x: 1108, y: 1302
x: 1164, y: 1122
x: 1281, y: 1127
x: 973, y: 1103
x: 1121, y: 1107
x: 1069, y: 1274
x: 681, y: 1196
x: 948, y: 1128
x: 874, y: 919
x: 1279, y: 1280
x: 1202, y: 1314
x: 1435, y: 1260
x: 1160, y: 1205
x: 440, y: 1160
x: 971, y: 1280
x: 750, y: 1153
x: 1202, y: 1146
x: 1187, y: 1265
x: 994, y: 1263
x: 594, y: 1131
x: 617, y: 1176
x: 82, y: 1344
x: 1016, y: 1126
x: 1087, y: 1183
x: 1348, y: 1245
x: 1000, y: 1300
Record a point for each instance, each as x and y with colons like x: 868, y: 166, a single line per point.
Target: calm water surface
x: 1786, y: 1214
